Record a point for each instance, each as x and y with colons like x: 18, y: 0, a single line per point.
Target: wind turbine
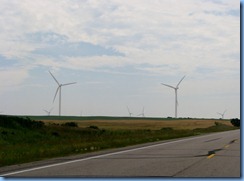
x: 129, y: 111
x: 59, y: 89
x: 175, y: 88
x: 222, y: 114
x: 48, y: 112
x: 142, y: 114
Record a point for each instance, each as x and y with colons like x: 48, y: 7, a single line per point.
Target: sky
x: 119, y: 53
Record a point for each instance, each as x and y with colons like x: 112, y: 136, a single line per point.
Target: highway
x: 211, y: 155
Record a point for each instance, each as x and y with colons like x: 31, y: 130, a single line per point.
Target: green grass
x: 23, y: 140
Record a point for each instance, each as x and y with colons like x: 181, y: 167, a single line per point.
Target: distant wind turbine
x: 59, y: 89
x: 48, y: 112
x: 175, y: 88
x: 142, y: 113
x: 129, y: 111
x: 222, y: 114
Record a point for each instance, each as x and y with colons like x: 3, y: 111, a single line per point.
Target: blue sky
x: 119, y: 53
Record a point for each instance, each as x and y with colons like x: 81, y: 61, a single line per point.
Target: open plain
x: 135, y: 123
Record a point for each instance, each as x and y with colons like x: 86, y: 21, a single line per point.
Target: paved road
x: 213, y: 155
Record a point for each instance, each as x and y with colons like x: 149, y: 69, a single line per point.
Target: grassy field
x: 25, y: 140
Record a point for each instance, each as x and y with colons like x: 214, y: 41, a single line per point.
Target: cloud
x: 56, y: 45
x: 156, y: 37
x: 12, y: 78
x: 78, y: 49
x: 231, y: 12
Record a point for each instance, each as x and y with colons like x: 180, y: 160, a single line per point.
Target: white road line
x: 104, y: 155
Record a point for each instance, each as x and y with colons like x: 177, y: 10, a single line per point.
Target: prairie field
x: 132, y: 124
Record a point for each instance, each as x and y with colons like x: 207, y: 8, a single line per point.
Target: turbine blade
x: 68, y: 83
x: 180, y: 81
x: 168, y: 86
x: 54, y: 78
x: 56, y: 93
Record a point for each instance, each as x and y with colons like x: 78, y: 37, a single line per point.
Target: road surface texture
x: 212, y: 155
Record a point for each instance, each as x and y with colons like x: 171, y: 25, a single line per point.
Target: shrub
x: 217, y: 123
x: 70, y: 124
x: 16, y: 122
x: 93, y: 127
x: 167, y: 129
x: 55, y: 134
x: 235, y: 122
x: 4, y: 132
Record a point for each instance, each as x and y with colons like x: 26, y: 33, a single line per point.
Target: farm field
x: 136, y: 123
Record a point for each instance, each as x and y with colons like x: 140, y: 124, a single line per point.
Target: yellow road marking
x: 226, y: 146
x: 211, y: 156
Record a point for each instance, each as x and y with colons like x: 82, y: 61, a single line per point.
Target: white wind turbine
x: 222, y: 114
x: 142, y: 114
x: 129, y: 111
x: 59, y: 89
x: 48, y: 112
x: 175, y: 88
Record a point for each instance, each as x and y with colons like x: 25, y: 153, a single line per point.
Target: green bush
x: 235, y: 122
x: 93, y: 127
x: 16, y: 122
x: 70, y: 124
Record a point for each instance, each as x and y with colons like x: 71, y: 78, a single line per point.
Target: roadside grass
x: 20, y: 143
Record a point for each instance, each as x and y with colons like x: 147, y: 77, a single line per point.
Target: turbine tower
x: 59, y: 89
x: 129, y: 111
x: 175, y: 88
x: 222, y: 114
x: 142, y: 113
